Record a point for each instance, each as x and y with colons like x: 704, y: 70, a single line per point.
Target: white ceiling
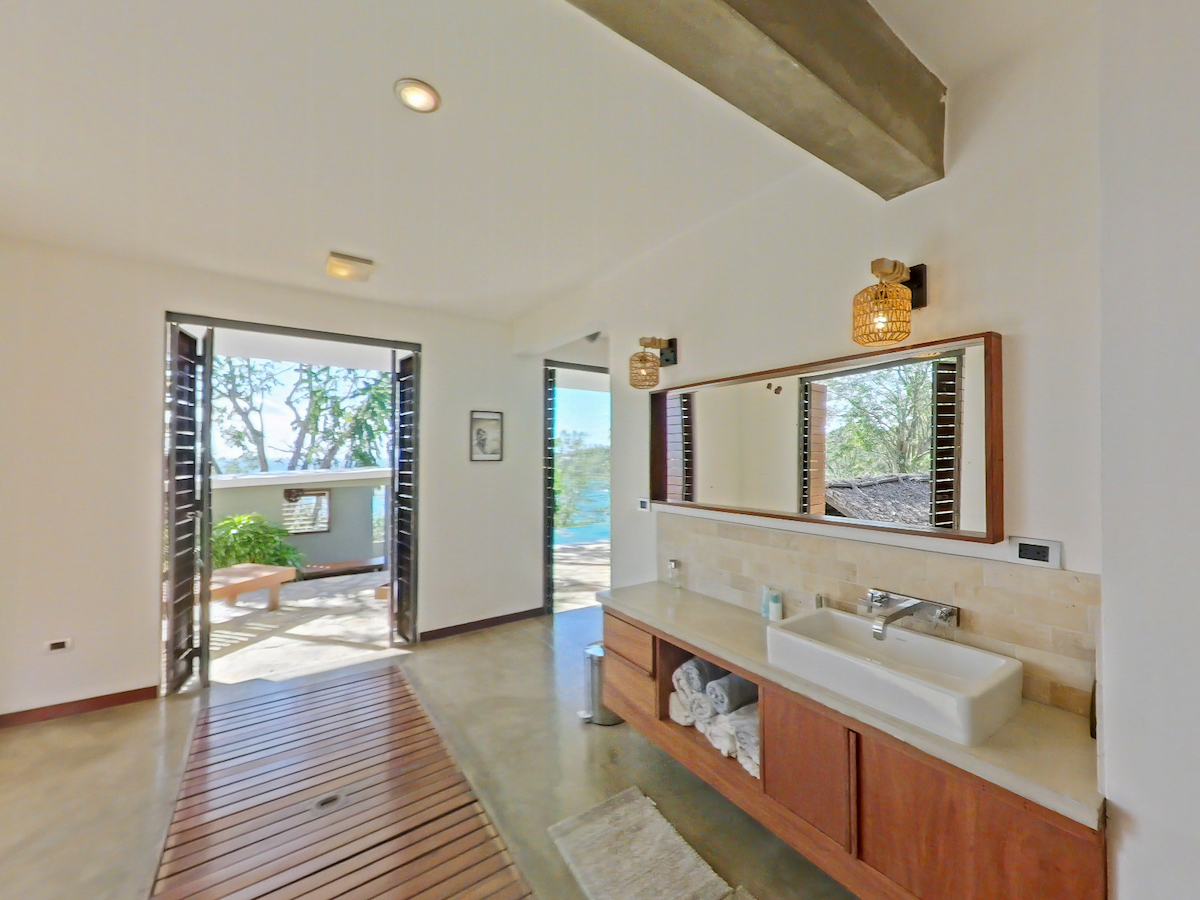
x: 251, y: 137
x: 959, y: 38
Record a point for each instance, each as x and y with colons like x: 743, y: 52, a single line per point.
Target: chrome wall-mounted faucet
x: 889, y: 607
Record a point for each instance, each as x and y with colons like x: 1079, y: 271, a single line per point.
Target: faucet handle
x: 945, y: 615
x: 877, y: 599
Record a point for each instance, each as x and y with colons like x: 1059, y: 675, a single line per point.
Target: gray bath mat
x: 624, y: 849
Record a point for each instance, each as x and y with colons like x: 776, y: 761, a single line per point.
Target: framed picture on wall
x: 487, y: 436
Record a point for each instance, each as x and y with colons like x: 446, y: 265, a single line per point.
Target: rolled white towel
x: 731, y: 692
x: 744, y: 722
x: 721, y: 735
x: 695, y: 674
x: 678, y: 709
x: 702, y: 712
x: 750, y: 764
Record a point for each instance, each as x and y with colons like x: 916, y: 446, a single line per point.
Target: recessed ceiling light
x: 351, y: 268
x: 417, y: 95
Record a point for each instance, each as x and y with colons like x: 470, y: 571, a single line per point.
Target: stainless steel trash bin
x: 596, y: 713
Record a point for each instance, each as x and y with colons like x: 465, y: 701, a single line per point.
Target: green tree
x: 336, y: 413
x: 339, y: 416
x: 884, y: 421
x: 581, y: 474
x: 240, y: 388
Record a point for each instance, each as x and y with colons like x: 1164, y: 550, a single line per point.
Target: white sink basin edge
x: 958, y: 692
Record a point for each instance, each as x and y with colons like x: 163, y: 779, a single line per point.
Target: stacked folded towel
x: 722, y: 706
x: 721, y: 735
x: 702, y: 711
x: 748, y: 762
x: 678, y: 710
x: 689, y: 705
x: 731, y: 692
x: 695, y: 674
x: 744, y: 723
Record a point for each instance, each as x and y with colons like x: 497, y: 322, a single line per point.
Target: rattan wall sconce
x: 644, y: 365
x: 882, y: 313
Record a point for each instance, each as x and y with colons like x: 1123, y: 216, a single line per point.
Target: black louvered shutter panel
x: 550, y: 499
x: 807, y: 488
x: 681, y: 447
x: 404, y: 503
x: 945, y: 450
x: 183, y: 507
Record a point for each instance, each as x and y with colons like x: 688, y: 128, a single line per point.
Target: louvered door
x: 550, y: 498
x: 185, y: 586
x: 404, y: 500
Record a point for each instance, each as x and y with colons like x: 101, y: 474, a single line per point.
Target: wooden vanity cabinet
x: 944, y: 834
x: 886, y: 820
x: 807, y: 762
x: 629, y: 642
x: 914, y: 822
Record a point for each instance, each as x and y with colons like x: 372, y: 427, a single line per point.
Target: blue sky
x: 586, y: 411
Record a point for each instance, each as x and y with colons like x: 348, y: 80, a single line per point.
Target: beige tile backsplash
x: 1046, y: 618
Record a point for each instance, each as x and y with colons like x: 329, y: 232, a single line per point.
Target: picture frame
x: 486, y: 436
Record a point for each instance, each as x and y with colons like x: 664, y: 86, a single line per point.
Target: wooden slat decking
x: 339, y: 789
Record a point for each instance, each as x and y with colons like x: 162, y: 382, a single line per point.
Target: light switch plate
x: 643, y: 503
x: 1035, y: 552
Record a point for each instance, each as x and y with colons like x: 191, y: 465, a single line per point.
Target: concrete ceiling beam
x: 831, y: 77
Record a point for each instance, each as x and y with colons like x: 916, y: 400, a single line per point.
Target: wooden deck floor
x: 339, y: 789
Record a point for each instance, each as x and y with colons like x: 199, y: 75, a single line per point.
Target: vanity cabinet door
x: 944, y: 834
x: 1021, y: 851
x: 806, y: 762
x: 915, y: 822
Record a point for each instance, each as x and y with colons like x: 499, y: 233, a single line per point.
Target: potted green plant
x: 252, y: 539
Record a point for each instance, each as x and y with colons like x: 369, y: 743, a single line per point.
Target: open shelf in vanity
x: 669, y: 657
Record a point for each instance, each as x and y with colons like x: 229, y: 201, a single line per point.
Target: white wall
x: 972, y: 492
x: 1011, y: 241
x: 81, y: 355
x: 718, y: 459
x: 582, y: 352
x: 770, y: 435
x: 1150, y: 659
x: 747, y: 449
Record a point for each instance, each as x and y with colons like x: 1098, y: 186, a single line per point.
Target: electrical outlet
x: 1035, y: 552
x: 62, y: 645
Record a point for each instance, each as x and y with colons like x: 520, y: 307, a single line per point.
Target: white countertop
x: 1043, y: 754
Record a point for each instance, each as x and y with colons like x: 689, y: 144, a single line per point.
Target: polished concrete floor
x: 507, y: 698
x: 85, y: 802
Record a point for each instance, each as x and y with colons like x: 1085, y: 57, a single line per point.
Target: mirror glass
x: 894, y: 439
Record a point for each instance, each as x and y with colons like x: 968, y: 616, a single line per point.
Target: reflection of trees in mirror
x: 581, y: 478
x: 338, y: 417
x: 879, y: 422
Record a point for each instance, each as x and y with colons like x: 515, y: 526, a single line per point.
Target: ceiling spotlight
x: 351, y: 268
x: 417, y: 95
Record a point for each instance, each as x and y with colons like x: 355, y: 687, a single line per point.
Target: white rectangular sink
x: 955, y: 691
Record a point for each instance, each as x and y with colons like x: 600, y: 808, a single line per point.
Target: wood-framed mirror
x: 908, y: 440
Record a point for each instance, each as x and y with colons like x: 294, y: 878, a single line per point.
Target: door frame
x: 549, y: 501
x: 205, y: 537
